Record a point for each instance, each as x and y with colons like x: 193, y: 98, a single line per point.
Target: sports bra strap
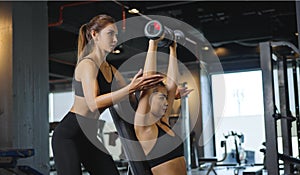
x: 164, y: 123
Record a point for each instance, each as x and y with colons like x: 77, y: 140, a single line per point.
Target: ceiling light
x: 205, y: 48
x: 297, y: 34
x: 221, y: 51
x: 133, y: 11
x: 117, y: 51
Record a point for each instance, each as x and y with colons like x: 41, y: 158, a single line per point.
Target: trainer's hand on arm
x: 140, y: 82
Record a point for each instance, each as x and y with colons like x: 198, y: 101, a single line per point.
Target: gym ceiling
x: 237, y: 26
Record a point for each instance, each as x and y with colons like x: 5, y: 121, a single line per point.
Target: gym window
x: 242, y: 112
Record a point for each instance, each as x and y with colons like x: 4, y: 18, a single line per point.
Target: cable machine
x: 280, y: 72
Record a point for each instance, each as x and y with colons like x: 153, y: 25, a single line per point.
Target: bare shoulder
x: 87, y: 63
x: 86, y: 66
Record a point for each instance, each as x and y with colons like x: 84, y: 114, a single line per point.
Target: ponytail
x: 82, y: 41
x: 85, y: 41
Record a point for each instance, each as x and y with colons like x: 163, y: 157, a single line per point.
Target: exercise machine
x: 214, y: 160
x: 123, y: 119
x: 9, y: 164
x: 280, y: 73
x: 238, y: 153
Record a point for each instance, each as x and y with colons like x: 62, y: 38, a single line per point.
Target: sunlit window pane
x: 243, y: 111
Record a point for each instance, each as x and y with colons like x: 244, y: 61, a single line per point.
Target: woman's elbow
x: 93, y: 109
x: 102, y: 106
x: 93, y: 106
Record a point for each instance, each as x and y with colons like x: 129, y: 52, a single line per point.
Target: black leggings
x: 71, y: 147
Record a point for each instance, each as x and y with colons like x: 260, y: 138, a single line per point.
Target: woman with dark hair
x: 162, y: 146
x: 74, y: 140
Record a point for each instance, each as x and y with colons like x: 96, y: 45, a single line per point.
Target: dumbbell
x: 154, y: 30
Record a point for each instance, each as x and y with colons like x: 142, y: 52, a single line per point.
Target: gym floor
x: 222, y: 170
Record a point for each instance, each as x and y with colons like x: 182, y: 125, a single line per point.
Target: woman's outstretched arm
x: 172, y: 77
x: 149, y: 69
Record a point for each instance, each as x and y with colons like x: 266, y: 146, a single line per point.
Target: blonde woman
x: 92, y: 84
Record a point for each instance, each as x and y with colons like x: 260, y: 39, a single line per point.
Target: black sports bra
x: 105, y: 87
x: 163, y: 146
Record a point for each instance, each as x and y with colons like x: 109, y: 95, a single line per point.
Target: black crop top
x: 105, y: 87
x: 163, y: 146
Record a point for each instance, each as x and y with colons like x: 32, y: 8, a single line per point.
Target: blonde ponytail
x: 82, y: 41
x: 85, y: 42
